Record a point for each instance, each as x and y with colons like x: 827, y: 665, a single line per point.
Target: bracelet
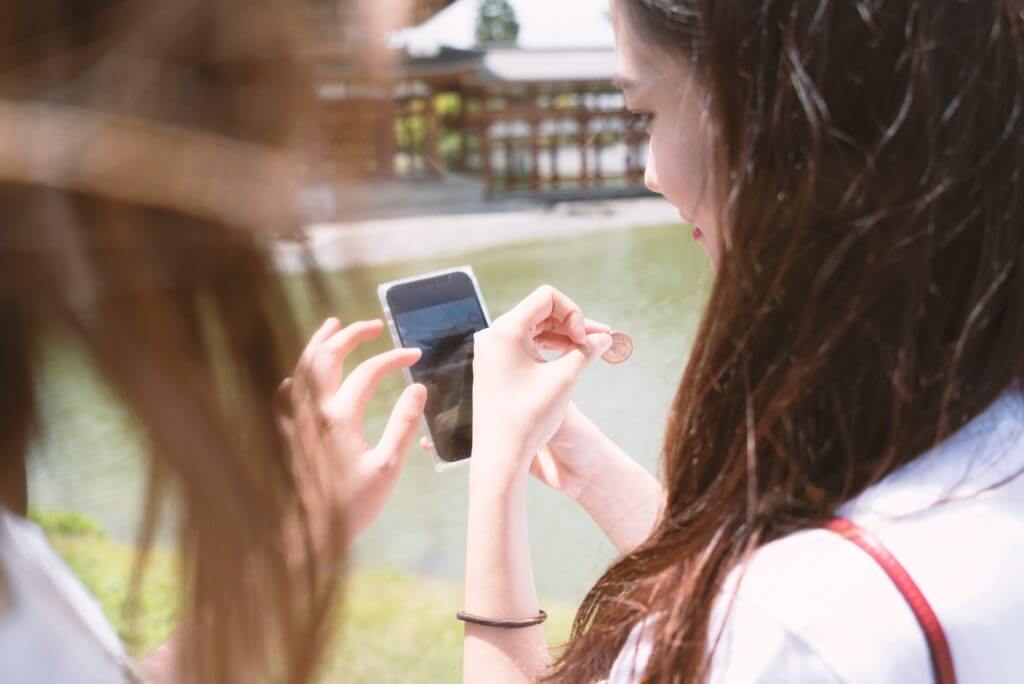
x: 504, y: 624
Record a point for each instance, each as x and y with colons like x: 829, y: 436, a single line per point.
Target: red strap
x: 942, y: 659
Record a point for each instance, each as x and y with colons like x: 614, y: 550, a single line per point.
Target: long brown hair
x: 868, y: 300
x: 139, y: 140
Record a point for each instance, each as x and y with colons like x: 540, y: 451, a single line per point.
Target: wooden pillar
x: 460, y: 123
x: 584, y: 127
x: 386, y: 146
x: 509, y: 148
x: 553, y: 151
x: 641, y: 141
x: 535, y: 152
x: 628, y: 140
x: 636, y: 144
x: 485, y: 155
x: 431, y: 147
x: 597, y: 158
x: 403, y: 150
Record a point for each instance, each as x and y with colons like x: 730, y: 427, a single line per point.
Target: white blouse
x: 51, y: 628
x: 812, y: 607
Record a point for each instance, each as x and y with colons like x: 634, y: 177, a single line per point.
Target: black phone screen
x: 440, y: 315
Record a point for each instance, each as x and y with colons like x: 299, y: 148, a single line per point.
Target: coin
x: 622, y: 348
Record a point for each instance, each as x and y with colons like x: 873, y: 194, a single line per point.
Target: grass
x: 396, y: 627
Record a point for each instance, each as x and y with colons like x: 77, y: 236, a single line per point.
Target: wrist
x: 616, y: 477
x: 498, y: 466
x: 594, y: 487
x: 492, y: 485
x: 601, y: 470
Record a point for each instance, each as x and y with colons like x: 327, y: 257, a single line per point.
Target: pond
x: 650, y: 282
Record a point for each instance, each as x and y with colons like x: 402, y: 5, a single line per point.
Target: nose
x: 650, y: 175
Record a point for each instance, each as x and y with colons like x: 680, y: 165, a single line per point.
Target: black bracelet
x: 504, y: 624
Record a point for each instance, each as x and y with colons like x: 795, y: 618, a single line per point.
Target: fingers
x: 403, y: 423
x: 547, y: 309
x: 283, y: 399
x: 553, y: 342
x: 328, y: 328
x: 285, y: 409
x: 360, y: 385
x: 329, y: 356
x: 346, y: 341
x: 304, y: 382
x: 589, y: 326
x: 580, y: 358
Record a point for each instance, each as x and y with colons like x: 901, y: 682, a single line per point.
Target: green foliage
x: 65, y: 523
x: 400, y: 628
x: 496, y: 24
x: 397, y: 628
x: 105, y: 567
x: 447, y: 104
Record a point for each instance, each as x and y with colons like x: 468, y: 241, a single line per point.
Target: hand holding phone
x: 321, y: 413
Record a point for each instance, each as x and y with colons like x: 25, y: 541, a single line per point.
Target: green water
x: 649, y: 282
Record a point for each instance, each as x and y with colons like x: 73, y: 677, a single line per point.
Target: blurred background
x: 494, y: 100
x: 480, y: 132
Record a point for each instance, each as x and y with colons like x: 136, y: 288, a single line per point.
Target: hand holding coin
x: 621, y: 350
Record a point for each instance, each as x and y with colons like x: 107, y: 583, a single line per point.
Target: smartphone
x: 440, y: 313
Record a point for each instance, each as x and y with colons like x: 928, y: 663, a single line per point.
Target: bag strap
x: 942, y: 659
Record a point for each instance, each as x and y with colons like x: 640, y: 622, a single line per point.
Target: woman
x: 148, y: 153
x: 854, y: 173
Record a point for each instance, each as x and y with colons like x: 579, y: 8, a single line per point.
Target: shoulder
x: 756, y: 646
x: 51, y: 629
x: 756, y: 649
x: 953, y: 518
x: 813, y: 605
x: 777, y: 620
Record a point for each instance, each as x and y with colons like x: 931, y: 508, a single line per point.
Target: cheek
x: 681, y: 174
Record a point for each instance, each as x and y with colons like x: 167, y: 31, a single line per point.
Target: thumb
x: 580, y: 358
x: 403, y: 423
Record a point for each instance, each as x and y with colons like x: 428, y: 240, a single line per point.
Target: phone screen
x: 440, y: 315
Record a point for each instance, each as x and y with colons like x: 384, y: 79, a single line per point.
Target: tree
x: 496, y: 23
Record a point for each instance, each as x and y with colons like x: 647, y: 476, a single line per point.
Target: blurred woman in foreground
x: 149, y: 153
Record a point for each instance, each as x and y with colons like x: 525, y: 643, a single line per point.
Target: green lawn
x: 397, y: 628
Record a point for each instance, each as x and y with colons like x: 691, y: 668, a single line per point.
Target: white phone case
x: 382, y: 294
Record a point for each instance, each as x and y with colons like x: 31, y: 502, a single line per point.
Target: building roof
x: 512, y: 65
x: 543, y: 25
x: 445, y: 62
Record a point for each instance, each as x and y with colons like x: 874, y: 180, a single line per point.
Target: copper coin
x: 622, y: 348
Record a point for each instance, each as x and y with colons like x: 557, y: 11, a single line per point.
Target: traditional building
x: 532, y: 119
